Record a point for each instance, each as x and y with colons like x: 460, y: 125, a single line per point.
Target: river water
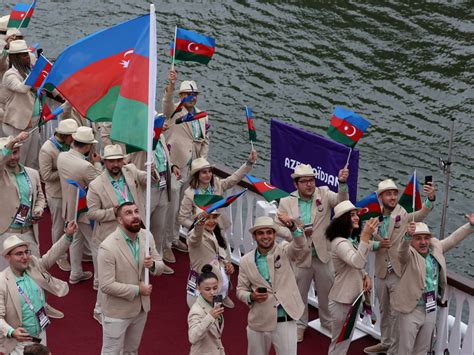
x: 407, y: 67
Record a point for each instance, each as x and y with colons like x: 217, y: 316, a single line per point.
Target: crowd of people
x: 303, y: 243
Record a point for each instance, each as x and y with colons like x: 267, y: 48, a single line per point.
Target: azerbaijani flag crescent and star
x: 250, y: 125
x: 347, y: 127
x: 39, y: 72
x: 369, y: 207
x: 21, y: 15
x: 406, y: 200
x: 105, y: 76
x: 269, y: 192
x: 192, y: 47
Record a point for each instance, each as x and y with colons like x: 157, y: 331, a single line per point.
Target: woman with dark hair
x: 205, y: 318
x: 20, y: 101
x: 203, y: 181
x: 207, y: 245
x: 349, y: 259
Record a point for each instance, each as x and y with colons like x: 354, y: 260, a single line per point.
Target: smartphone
x: 36, y: 340
x: 216, y: 300
x: 380, y: 218
x: 262, y: 290
x: 428, y: 178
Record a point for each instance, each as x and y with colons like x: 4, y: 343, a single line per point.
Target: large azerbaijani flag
x: 369, y: 207
x: 269, y: 192
x: 347, y: 127
x: 192, y: 47
x: 412, y: 191
x: 105, y: 76
x: 21, y: 15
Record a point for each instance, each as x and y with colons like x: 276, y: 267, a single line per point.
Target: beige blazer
x: 184, y: 148
x: 349, y: 264
x: 204, y: 249
x: 320, y: 217
x: 119, y: 275
x: 188, y: 209
x: 10, y: 196
x: 3, y: 68
x: 399, y: 219
x: 101, y: 199
x: 72, y: 165
x: 204, y: 332
x: 282, y: 290
x: 19, y: 100
x: 10, y: 304
x: 48, y: 167
x: 412, y: 283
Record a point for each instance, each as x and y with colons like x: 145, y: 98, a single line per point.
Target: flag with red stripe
x: 347, y: 127
x: 269, y: 192
x: 194, y: 47
x: 191, y: 116
x: 21, y: 15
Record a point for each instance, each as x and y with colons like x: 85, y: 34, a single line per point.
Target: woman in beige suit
x: 206, y: 319
x: 349, y: 258
x: 204, y: 182
x: 207, y: 245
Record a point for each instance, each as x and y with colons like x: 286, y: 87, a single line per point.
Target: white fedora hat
x: 113, y: 151
x: 199, y: 164
x: 13, y: 32
x: 343, y: 207
x: 67, y: 126
x: 303, y: 170
x: 263, y: 222
x: 11, y: 243
x: 188, y: 86
x: 199, y: 211
x: 421, y: 228
x: 18, y: 46
x: 386, y: 185
x: 84, y: 135
x: 4, y: 22
x: 4, y: 141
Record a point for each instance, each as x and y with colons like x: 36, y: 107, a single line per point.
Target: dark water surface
x: 406, y: 67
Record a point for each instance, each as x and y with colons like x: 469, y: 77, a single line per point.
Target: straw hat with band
x: 11, y: 243
x: 188, y: 86
x: 84, y: 135
x: 303, y: 170
x: 113, y: 151
x: 18, y: 46
x: 422, y: 228
x: 68, y: 126
x: 199, y: 164
x: 263, y: 222
x: 343, y: 207
x: 385, y: 186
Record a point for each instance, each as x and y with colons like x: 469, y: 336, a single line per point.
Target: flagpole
x: 151, y: 113
x: 251, y: 143
x: 414, y: 196
x: 33, y: 129
x: 77, y: 205
x: 21, y: 23
x: 348, y: 158
x: 174, y: 46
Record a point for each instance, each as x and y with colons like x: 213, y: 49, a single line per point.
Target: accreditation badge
x: 21, y: 214
x: 42, y: 318
x: 192, y: 283
x: 430, y: 301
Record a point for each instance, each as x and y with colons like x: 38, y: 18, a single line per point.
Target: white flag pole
x: 414, y: 195
x: 348, y: 158
x: 151, y: 114
x: 174, y: 47
x: 23, y: 19
x: 77, y: 205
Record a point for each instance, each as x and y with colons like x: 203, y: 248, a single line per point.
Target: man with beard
x: 119, y: 183
x: 268, y: 285
x: 126, y: 298
x: 72, y: 165
x: 388, y: 268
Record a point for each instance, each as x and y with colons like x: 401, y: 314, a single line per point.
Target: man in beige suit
x: 72, y: 165
x: 423, y: 282
x: 48, y: 158
x: 22, y: 200
x: 119, y: 183
x: 126, y: 298
x: 388, y: 269
x: 312, y: 205
x: 3, y: 67
x: 26, y: 274
x: 267, y: 285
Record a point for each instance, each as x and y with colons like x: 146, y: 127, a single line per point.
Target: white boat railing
x: 452, y: 335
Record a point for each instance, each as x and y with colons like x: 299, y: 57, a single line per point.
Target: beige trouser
x: 182, y: 185
x: 28, y: 237
x: 323, y: 276
x: 339, y: 313
x: 283, y: 339
x: 83, y: 236
x: 94, y: 245
x: 20, y: 347
x: 415, y: 331
x: 29, y: 149
x: 385, y: 289
x: 160, y: 217
x: 57, y: 220
x: 122, y: 336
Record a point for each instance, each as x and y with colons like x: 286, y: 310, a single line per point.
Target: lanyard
x: 30, y: 186
x: 25, y: 297
x: 434, y: 267
x: 123, y: 193
x: 56, y: 143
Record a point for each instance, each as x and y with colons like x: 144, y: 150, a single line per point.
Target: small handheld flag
x: 39, y: 73
x: 351, y: 320
x: 180, y: 106
x: 369, y: 207
x: 47, y: 115
x: 347, y: 127
x: 250, y: 125
x: 191, y: 116
x: 157, y: 129
x: 192, y: 47
x: 411, y: 197
x: 269, y: 192
x: 21, y: 15
x: 81, y: 202
x: 204, y: 201
x: 225, y: 202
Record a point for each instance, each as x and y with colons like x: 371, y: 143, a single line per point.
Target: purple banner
x: 291, y: 146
